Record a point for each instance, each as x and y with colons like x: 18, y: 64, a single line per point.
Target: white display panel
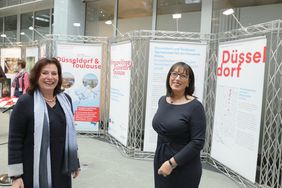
x: 31, y: 57
x: 163, y: 54
x: 239, y: 91
x: 42, y: 49
x: 81, y: 66
x: 121, y: 64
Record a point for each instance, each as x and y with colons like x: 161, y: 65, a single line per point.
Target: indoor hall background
x: 269, y: 169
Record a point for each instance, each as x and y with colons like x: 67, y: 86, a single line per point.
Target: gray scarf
x: 42, y: 161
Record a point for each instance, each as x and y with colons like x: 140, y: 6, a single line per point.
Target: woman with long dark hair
x: 180, y: 123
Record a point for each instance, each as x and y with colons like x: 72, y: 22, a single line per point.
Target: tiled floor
x: 103, y: 166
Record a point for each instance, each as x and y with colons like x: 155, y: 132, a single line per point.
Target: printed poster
x: 239, y: 92
x: 163, y: 54
x: 121, y: 65
x: 9, y: 61
x: 5, y: 88
x: 31, y: 57
x: 82, y: 64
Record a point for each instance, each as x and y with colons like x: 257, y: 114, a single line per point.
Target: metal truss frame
x: 269, y: 169
x: 140, y: 41
x: 271, y: 146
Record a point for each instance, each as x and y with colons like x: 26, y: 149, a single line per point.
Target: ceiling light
x: 3, y: 35
x: 231, y: 12
x: 76, y: 24
x: 30, y: 28
x: 45, y: 15
x: 40, y: 18
x: 109, y: 22
x: 192, y: 1
x: 176, y: 16
x: 228, y: 11
x: 22, y: 33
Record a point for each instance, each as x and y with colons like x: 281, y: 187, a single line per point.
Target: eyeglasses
x: 181, y: 76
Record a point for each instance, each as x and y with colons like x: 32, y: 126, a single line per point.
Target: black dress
x: 21, y: 141
x: 181, y: 134
x: 57, y: 146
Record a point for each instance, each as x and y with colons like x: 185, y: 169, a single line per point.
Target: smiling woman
x: 180, y: 123
x: 42, y: 136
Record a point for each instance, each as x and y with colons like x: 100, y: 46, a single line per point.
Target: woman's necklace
x: 50, y: 100
x: 180, y: 100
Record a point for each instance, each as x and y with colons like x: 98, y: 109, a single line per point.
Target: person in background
x: 20, y: 83
x: 2, y: 74
x: 42, y: 147
x: 180, y: 123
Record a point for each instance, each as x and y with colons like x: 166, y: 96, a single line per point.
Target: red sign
x: 88, y: 114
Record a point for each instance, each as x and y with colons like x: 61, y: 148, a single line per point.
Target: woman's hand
x: 165, y: 169
x: 75, y: 173
x: 17, y: 183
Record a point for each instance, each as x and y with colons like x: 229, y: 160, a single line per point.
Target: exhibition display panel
x: 146, y: 82
x: 81, y: 66
x: 238, y: 104
x: 120, y: 73
x: 246, y: 124
x: 163, y: 54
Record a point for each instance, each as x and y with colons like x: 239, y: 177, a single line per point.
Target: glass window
x: 13, y: 2
x: 97, y: 13
x: 1, y: 25
x: 26, y: 1
x: 179, y: 15
x: 134, y: 15
x: 2, y: 3
x: 41, y: 24
x: 1, y: 29
x: 247, y: 13
x: 10, y: 28
x: 26, y: 22
x: 52, y: 21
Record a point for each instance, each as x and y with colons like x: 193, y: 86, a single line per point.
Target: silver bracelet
x: 172, y: 166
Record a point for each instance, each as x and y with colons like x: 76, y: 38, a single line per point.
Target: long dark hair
x: 36, y: 71
x: 187, y: 70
